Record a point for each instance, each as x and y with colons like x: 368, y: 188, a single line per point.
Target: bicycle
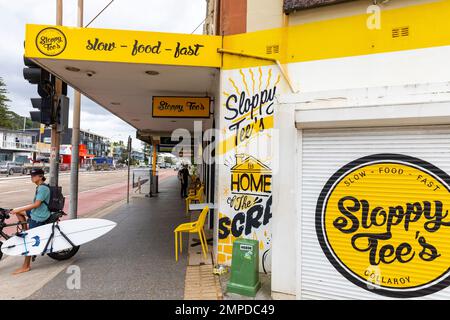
x: 54, y: 217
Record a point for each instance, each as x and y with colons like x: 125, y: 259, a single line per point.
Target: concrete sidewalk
x: 134, y: 261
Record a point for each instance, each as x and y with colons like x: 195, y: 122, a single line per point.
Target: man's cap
x: 36, y: 172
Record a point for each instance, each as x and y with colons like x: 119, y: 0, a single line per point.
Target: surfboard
x: 79, y: 231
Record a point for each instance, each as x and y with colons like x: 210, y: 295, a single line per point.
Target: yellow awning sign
x: 67, y: 43
x: 180, y: 107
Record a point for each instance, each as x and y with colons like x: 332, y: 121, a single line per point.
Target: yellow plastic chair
x: 197, y: 197
x: 192, y: 227
x: 195, y: 188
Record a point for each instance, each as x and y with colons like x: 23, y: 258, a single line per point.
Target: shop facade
x: 370, y: 189
x: 332, y: 135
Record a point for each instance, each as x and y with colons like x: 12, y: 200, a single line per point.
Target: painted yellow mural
x: 245, y: 203
x: 383, y: 223
x: 250, y: 176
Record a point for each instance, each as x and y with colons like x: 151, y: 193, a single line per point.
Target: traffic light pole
x: 75, y: 158
x: 54, y: 151
x: 128, y: 163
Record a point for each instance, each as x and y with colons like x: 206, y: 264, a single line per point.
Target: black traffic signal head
x: 46, y: 90
x: 45, y: 105
x: 48, y: 104
x: 33, y: 73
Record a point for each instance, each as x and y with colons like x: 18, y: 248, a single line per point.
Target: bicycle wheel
x: 64, y: 254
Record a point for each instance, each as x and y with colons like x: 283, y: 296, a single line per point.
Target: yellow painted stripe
x: 429, y: 26
x: 226, y: 145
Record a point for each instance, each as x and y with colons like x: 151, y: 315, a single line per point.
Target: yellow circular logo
x: 51, y: 41
x: 382, y: 221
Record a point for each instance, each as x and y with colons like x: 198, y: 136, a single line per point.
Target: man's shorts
x: 32, y: 223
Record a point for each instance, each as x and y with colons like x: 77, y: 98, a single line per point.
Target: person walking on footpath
x: 183, y: 175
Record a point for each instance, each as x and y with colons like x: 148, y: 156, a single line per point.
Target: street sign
x: 164, y: 148
x: 180, y: 107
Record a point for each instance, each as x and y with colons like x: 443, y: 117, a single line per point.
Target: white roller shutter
x: 323, y: 152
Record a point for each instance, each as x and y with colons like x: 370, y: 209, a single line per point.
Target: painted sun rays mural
x: 246, y: 152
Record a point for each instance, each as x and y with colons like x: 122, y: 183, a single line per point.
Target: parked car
x: 42, y: 164
x: 162, y: 165
x: 10, y: 167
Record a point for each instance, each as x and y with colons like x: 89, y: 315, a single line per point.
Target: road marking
x: 89, y: 190
x: 14, y: 191
x: 99, y: 188
x: 24, y: 285
x: 6, y: 179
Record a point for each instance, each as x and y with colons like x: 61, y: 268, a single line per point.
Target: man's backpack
x: 57, y: 199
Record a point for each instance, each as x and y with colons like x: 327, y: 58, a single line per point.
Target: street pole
x: 55, y: 136
x: 41, y: 131
x: 75, y: 158
x: 129, y: 159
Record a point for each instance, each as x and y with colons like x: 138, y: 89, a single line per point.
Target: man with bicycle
x: 36, y: 213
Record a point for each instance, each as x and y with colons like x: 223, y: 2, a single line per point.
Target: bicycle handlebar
x: 4, y: 214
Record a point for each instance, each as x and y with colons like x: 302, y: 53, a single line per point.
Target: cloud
x: 178, y: 16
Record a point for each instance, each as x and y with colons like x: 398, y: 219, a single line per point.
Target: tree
x: 120, y: 151
x: 169, y: 160
x: 146, y: 151
x: 5, y: 115
x: 17, y: 122
x: 9, y: 119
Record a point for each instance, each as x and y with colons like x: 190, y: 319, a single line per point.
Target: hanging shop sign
x: 382, y: 221
x: 180, y: 107
x: 57, y: 42
x: 164, y: 148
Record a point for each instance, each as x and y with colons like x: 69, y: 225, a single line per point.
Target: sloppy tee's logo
x: 51, y: 41
x: 382, y: 221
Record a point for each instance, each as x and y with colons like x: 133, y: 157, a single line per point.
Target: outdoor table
x: 200, y: 206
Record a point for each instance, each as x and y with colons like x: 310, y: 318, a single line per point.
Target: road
x: 133, y: 261
x: 97, y: 190
x: 20, y: 191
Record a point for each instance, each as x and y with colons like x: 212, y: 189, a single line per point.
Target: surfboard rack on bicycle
x: 54, y: 219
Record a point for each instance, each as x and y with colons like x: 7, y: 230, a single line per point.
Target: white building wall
x: 284, y: 229
x: 391, y: 80
x: 264, y: 14
x: 419, y: 66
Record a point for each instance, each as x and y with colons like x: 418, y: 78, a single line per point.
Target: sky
x: 178, y: 16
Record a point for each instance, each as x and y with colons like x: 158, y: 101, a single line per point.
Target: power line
x: 207, y: 16
x: 200, y: 24
x: 99, y: 13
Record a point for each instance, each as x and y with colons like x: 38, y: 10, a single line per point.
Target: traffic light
x: 46, y: 90
x: 62, y: 114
